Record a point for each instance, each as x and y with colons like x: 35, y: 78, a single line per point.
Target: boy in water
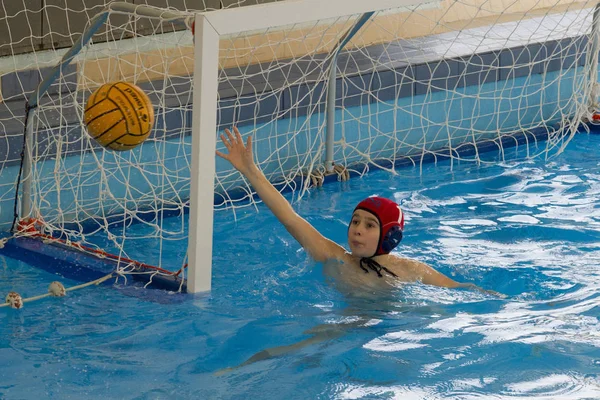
x: 374, y: 231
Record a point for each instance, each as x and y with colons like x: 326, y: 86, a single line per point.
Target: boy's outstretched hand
x: 239, y: 156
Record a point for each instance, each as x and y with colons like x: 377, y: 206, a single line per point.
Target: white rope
x: 55, y: 289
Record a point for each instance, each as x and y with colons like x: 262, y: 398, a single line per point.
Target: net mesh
x: 445, y: 80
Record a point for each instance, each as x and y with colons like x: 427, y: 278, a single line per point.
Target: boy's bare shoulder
x: 396, y: 260
x: 405, y: 268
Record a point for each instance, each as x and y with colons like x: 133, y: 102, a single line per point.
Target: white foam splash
x: 517, y: 322
x: 470, y: 222
x: 551, y: 387
x: 523, y: 219
x: 402, y: 340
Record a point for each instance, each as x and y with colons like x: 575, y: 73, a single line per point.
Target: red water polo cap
x: 391, y: 221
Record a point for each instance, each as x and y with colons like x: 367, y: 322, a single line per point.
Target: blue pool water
x: 528, y: 229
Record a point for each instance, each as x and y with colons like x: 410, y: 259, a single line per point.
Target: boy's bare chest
x: 350, y: 273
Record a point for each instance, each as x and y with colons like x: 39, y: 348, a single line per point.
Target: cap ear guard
x: 390, y: 218
x: 391, y: 239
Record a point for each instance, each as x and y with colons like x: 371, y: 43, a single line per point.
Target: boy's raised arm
x: 241, y: 157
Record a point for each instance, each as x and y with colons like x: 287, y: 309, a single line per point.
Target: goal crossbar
x: 243, y: 19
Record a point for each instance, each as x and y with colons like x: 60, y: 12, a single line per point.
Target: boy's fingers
x: 238, y: 135
x: 249, y: 143
x: 222, y: 155
x: 230, y: 135
x: 225, y: 141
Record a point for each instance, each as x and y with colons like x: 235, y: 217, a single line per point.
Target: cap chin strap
x: 368, y: 262
x: 389, y: 242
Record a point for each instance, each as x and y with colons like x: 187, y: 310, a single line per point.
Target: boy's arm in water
x: 324, y: 333
x: 427, y: 275
x: 240, y: 156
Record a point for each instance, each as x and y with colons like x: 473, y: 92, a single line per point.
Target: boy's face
x: 363, y: 234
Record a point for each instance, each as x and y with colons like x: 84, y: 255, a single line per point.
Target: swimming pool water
x: 529, y: 229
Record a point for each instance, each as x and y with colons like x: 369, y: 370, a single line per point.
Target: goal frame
x: 209, y: 28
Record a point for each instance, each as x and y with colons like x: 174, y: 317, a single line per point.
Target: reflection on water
x: 529, y: 230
